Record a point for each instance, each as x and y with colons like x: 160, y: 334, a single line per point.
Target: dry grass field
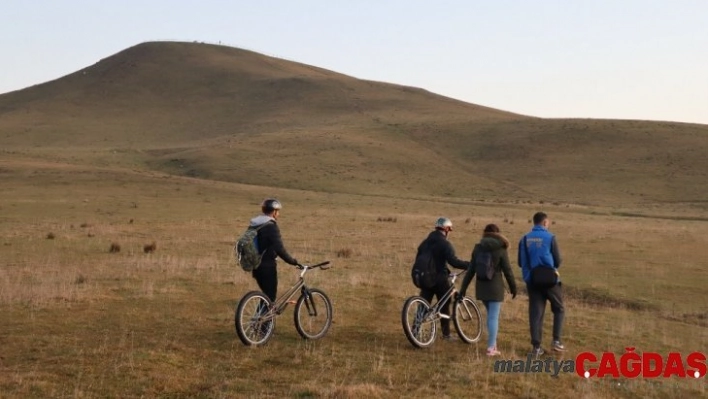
x: 176, y: 144
x: 80, y: 321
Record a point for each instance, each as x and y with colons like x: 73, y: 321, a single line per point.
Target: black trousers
x: 537, y: 309
x: 438, y: 291
x: 267, y: 279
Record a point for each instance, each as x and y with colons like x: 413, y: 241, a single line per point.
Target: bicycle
x: 255, y: 314
x: 419, y: 318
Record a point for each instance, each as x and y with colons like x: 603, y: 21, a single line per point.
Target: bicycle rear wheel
x: 254, y: 322
x: 418, y: 322
x: 313, y: 314
x: 468, y: 320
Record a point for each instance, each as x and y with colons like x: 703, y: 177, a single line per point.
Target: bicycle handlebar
x: 455, y: 274
x: 320, y: 265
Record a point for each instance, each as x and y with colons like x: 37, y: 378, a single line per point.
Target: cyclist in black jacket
x: 443, y: 254
x: 270, y: 244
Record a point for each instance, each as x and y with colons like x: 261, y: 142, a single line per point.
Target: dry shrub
x: 150, y: 248
x: 344, y: 253
x: 80, y: 279
x: 115, y: 248
x: 50, y: 236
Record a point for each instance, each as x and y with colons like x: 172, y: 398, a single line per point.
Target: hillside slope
x: 186, y: 92
x: 223, y: 113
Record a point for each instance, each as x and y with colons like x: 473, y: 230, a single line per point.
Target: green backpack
x: 246, y: 249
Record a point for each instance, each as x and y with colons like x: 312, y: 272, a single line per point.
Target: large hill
x: 223, y: 113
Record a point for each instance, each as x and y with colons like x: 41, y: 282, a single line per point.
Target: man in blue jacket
x: 539, y: 248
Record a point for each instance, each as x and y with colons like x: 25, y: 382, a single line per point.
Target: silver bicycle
x: 420, y: 319
x: 256, y: 314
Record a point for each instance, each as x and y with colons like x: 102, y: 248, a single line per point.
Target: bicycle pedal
x: 291, y: 302
x: 444, y: 316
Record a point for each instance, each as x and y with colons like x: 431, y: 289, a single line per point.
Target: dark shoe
x: 449, y: 338
x: 557, y: 346
x: 537, y: 351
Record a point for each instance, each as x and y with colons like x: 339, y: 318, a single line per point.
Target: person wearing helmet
x: 271, y: 246
x: 437, y: 247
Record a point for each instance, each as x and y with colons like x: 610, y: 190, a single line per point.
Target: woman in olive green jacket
x: 491, y: 292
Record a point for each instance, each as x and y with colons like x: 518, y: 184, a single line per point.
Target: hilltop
x: 222, y: 113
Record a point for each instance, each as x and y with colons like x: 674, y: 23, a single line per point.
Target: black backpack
x: 424, y: 273
x: 484, y: 265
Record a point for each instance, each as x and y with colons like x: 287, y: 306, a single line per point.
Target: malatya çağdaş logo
x: 629, y: 365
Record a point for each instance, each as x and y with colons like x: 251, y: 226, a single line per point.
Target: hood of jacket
x: 494, y: 241
x: 261, y: 219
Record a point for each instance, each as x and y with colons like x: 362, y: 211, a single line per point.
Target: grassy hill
x: 227, y: 114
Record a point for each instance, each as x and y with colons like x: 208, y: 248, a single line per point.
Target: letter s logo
x: 697, y: 361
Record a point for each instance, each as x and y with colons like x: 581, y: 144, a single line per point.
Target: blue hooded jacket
x: 541, y: 250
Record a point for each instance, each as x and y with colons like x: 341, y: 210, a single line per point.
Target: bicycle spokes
x: 260, y: 322
x: 254, y: 319
x: 468, y: 320
x: 419, y: 319
x: 419, y: 322
x: 313, y: 314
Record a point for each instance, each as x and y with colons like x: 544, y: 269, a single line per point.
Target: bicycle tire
x: 419, y: 326
x: 250, y: 326
x: 313, y: 314
x: 468, y: 320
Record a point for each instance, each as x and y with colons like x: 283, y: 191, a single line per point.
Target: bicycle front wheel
x: 468, y: 320
x: 313, y: 314
x: 418, y: 323
x: 254, y: 321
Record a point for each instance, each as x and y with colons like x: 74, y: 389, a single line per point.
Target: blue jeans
x: 493, y: 310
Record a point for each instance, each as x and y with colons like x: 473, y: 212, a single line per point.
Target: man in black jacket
x: 441, y: 252
x: 270, y: 244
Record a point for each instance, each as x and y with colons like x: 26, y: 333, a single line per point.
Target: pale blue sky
x: 619, y: 59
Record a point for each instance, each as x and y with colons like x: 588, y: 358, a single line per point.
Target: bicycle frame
x: 434, y: 311
x: 282, y: 302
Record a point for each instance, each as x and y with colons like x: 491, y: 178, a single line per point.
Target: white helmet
x: 443, y: 223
